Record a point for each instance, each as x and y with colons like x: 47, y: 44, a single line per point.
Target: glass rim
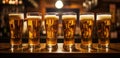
x: 21, y: 15
x: 101, y: 17
x: 46, y: 16
x: 104, y: 13
x: 34, y: 17
x: 34, y: 13
x: 15, y: 13
x: 69, y: 13
x: 52, y: 13
x: 87, y: 13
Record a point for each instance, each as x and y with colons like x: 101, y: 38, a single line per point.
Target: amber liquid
x: 51, y: 24
x: 69, y: 25
x: 103, y: 32
x: 33, y: 25
x: 16, y: 27
x: 86, y: 26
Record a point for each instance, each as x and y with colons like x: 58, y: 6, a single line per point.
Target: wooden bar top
x: 113, y: 51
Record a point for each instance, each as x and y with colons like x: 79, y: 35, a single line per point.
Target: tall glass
x: 51, y: 25
x: 33, y: 25
x: 69, y: 25
x: 86, y: 26
x: 16, y: 28
x: 103, y: 29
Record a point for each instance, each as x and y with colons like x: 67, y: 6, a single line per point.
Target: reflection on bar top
x: 114, y: 48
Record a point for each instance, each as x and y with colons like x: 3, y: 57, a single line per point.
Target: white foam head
x: 69, y: 16
x: 21, y: 15
x: 103, y: 16
x: 86, y: 17
x: 34, y: 17
x: 46, y: 16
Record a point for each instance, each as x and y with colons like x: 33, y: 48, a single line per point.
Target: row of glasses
x: 102, y: 29
x: 19, y: 25
x: 34, y: 20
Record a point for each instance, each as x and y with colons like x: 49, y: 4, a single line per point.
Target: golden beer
x: 103, y: 30
x: 51, y: 25
x: 16, y: 27
x: 33, y: 24
x: 86, y: 26
x: 69, y: 25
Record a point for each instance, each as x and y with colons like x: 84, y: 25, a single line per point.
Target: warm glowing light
x: 12, y: 50
x: 3, y: 1
x: 31, y: 49
x: 20, y: 2
x: 59, y: 4
x: 25, y: 27
x: 12, y: 2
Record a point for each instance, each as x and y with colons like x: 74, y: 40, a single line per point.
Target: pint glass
x: 86, y: 27
x: 16, y: 27
x: 51, y: 25
x: 103, y: 29
x: 69, y: 25
x: 33, y: 25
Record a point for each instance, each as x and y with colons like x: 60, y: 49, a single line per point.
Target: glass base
x: 85, y: 46
x: 69, y: 47
x: 51, y: 48
x: 34, y: 46
x: 103, y: 46
x: 16, y: 47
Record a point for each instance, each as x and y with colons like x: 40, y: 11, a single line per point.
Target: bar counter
x: 113, y: 51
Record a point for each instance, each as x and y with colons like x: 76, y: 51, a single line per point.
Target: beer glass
x: 16, y: 27
x: 33, y: 25
x: 51, y: 25
x: 86, y: 27
x: 103, y: 22
x: 69, y: 25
